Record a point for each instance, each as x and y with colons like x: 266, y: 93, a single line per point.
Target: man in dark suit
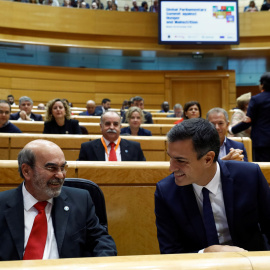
x: 100, y: 149
x: 229, y: 149
x: 26, y: 106
x: 71, y: 226
x: 178, y: 111
x: 105, y: 106
x: 205, y: 205
x: 258, y: 118
x: 139, y: 102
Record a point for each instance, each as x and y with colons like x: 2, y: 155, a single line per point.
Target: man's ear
x: 26, y: 171
x: 209, y: 158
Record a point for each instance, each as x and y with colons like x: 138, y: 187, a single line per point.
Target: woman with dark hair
x: 135, y: 117
x: 258, y: 118
x: 58, y: 119
x: 192, y: 109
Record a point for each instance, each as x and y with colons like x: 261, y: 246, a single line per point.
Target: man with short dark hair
x: 165, y: 107
x: 229, y: 149
x: 106, y: 105
x: 5, y: 125
x: 139, y: 102
x: 26, y: 106
x: 10, y: 99
x: 41, y: 219
x: 111, y: 143
x: 206, y: 204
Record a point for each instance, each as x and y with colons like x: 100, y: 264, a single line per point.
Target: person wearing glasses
x: 5, y: 125
x: 42, y: 219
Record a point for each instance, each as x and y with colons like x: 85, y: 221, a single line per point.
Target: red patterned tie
x: 112, y: 156
x: 37, y: 240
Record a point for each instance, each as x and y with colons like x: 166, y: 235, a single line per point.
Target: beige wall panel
x: 5, y: 82
x: 131, y: 219
x: 66, y: 85
x: 206, y: 92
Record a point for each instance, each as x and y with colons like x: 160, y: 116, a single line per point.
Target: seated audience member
x: 10, y: 99
x: 53, y: 3
x: 106, y: 105
x: 94, y: 5
x: 258, y: 118
x: 154, y: 7
x: 251, y: 7
x: 126, y: 7
x: 143, y: 7
x: 90, y: 108
x: 178, y: 111
x: 111, y: 147
x: 58, y: 119
x: 71, y: 229
x: 109, y: 5
x: 124, y: 107
x: 26, y: 106
x: 67, y: 3
x: 236, y: 216
x: 5, y: 125
x: 41, y: 106
x: 229, y: 149
x: 192, y: 109
x: 114, y: 6
x: 135, y: 7
x: 165, y: 107
x: 135, y: 118
x: 265, y: 5
x: 139, y: 102
x: 240, y: 114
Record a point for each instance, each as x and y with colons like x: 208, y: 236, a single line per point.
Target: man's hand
x: 222, y: 248
x: 235, y: 154
x: 24, y: 116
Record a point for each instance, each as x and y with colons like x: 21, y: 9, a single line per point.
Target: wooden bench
x: 129, y: 193
x: 154, y: 147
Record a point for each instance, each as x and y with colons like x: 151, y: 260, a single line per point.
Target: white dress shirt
x: 118, y: 151
x: 30, y: 212
x: 222, y: 151
x: 217, y: 203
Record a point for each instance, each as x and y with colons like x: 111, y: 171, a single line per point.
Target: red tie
x: 36, y: 243
x: 112, y: 156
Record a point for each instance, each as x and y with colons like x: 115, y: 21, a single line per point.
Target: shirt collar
x: 108, y: 142
x: 212, y: 186
x: 28, y: 200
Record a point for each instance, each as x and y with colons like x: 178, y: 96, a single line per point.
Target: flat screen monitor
x: 198, y: 22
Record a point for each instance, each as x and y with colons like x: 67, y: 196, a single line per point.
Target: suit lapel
x: 99, y: 150
x: 60, y: 215
x: 124, y: 150
x: 193, y: 213
x: 14, y: 215
x: 227, y: 189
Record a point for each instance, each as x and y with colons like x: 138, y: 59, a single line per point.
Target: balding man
x: 41, y: 219
x: 111, y: 147
x: 90, y: 108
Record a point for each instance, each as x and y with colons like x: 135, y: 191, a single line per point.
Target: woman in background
x: 192, y: 109
x: 135, y: 117
x: 58, y: 119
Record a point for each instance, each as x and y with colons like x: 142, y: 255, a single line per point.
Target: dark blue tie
x: 208, y: 219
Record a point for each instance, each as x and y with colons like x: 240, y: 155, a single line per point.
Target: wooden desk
x: 210, y: 261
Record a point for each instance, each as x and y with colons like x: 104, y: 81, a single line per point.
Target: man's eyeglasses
x: 55, y: 169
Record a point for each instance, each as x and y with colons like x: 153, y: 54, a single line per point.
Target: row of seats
x: 154, y: 147
x: 128, y: 188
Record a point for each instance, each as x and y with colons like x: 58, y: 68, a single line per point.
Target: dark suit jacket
x: 94, y: 151
x: 236, y: 145
x: 77, y: 231
x: 258, y: 111
x: 35, y: 117
x: 71, y: 126
x: 141, y: 132
x: 247, y: 204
